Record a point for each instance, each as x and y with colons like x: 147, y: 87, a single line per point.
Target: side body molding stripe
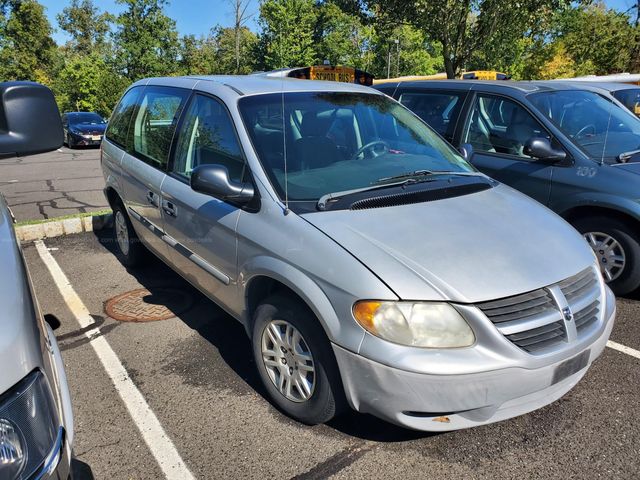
x: 181, y: 249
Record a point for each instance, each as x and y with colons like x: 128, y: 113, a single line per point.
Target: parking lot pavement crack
x: 335, y: 463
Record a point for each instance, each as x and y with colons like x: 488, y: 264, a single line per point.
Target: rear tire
x: 291, y: 348
x: 614, y: 242
x: 131, y: 250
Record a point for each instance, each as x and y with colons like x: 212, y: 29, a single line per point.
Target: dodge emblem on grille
x: 568, y: 314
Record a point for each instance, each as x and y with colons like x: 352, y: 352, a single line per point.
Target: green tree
x: 342, y: 38
x: 146, y: 41
x: 593, y: 34
x: 87, y: 26
x: 226, y: 59
x: 463, y: 26
x: 26, y: 47
x: 412, y: 54
x: 287, y: 33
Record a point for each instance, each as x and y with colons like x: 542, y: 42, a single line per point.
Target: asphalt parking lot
x: 195, y: 372
x: 53, y: 184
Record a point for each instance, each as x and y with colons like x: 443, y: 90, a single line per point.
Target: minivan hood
x: 633, y: 167
x: 472, y: 248
x: 19, y: 333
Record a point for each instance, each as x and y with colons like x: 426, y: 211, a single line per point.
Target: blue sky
x: 199, y: 16
x: 191, y: 16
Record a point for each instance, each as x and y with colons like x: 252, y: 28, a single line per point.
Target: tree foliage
x: 463, y: 27
x: 146, y: 40
x: 87, y: 26
x: 287, y: 37
x: 26, y: 47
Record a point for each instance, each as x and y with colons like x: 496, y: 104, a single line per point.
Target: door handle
x: 151, y: 198
x: 169, y: 208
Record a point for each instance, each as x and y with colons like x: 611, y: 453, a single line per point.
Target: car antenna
x: 284, y: 151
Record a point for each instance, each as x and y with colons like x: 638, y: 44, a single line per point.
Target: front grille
x: 576, y: 286
x: 587, y: 316
x: 533, y: 321
x: 518, y: 307
x: 540, y: 338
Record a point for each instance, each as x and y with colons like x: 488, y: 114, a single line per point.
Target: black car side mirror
x: 466, y: 150
x: 214, y: 180
x: 541, y: 149
x: 29, y: 119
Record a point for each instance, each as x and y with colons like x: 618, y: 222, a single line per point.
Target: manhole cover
x: 144, y: 306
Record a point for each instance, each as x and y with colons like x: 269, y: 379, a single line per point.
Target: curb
x: 58, y: 228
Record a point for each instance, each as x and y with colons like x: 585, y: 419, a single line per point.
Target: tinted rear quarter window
x: 118, y: 128
x: 439, y: 109
x: 155, y: 122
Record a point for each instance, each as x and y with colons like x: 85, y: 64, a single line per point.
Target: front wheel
x: 617, y: 249
x: 295, y: 361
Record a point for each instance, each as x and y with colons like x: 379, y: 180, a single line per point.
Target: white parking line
x: 624, y: 349
x: 161, y: 446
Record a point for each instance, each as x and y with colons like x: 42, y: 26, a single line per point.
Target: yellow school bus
x: 333, y: 73
x: 471, y: 75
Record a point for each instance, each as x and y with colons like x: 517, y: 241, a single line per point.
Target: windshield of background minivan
x: 601, y: 128
x: 630, y: 98
x: 338, y: 141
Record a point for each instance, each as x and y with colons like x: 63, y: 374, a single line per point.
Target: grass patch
x: 64, y: 217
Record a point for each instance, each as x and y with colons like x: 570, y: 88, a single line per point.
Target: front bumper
x: 433, y: 402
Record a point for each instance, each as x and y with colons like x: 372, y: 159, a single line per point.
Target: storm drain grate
x: 144, y: 306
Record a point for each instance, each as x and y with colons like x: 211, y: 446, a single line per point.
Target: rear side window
x: 207, y: 136
x: 439, y: 109
x: 121, y: 117
x: 155, y: 122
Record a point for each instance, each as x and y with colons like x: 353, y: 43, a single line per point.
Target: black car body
x: 83, y: 128
x: 574, y: 148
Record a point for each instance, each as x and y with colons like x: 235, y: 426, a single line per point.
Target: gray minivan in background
x: 370, y: 264
x: 571, y: 146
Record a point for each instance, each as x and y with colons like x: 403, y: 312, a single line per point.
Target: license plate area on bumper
x: 571, y: 366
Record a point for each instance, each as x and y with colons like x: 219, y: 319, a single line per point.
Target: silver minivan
x: 371, y: 265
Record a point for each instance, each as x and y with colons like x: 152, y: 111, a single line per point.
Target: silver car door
x: 203, y: 228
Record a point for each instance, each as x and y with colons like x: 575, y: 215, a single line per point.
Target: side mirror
x: 541, y: 148
x: 214, y: 180
x: 466, y: 150
x: 29, y: 119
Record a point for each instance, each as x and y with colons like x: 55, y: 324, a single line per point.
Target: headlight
x: 416, y: 324
x: 13, y: 454
x: 28, y: 427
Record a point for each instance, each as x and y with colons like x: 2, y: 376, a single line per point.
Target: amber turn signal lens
x: 364, y: 312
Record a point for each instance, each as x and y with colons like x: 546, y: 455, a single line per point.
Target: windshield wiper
x: 323, y: 200
x: 415, y: 173
x: 624, y: 157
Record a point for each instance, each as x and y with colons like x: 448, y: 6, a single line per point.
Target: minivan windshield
x: 601, y: 128
x: 630, y: 98
x: 87, y: 118
x: 315, y: 143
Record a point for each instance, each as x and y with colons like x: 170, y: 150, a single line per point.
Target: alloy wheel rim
x: 288, y: 361
x: 609, y: 252
x: 122, y: 233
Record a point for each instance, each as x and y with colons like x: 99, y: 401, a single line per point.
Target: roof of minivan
x: 258, y: 83
x: 608, y: 86
x: 523, y: 87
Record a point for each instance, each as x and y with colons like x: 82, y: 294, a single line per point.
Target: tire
x: 70, y: 144
x: 595, y: 229
x: 131, y: 251
x: 325, y: 397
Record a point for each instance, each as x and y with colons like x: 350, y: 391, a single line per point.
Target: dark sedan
x: 83, y: 128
